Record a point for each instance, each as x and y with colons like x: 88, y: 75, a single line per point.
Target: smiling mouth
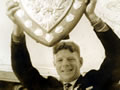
x: 67, y: 71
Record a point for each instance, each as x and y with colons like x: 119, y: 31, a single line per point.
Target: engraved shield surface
x: 49, y: 21
x: 109, y: 11
x: 46, y: 13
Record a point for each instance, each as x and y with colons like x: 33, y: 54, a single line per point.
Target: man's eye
x: 59, y: 60
x: 71, y: 59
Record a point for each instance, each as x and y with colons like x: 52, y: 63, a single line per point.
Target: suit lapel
x: 78, y: 82
x: 81, y: 84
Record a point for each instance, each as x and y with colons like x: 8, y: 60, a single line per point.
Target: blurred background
x: 91, y: 49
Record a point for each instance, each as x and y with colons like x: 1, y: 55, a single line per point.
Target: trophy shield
x: 49, y: 21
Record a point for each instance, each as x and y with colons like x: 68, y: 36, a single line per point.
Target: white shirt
x: 72, y: 83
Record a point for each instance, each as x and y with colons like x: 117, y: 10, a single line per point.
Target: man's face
x: 67, y: 65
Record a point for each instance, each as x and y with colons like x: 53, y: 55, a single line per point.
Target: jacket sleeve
x: 22, y: 65
x: 111, y: 65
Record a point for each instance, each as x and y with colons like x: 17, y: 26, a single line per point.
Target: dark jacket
x: 106, y: 78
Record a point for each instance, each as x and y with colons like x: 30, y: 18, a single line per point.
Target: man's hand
x: 96, y: 22
x: 90, y: 14
x: 12, y: 7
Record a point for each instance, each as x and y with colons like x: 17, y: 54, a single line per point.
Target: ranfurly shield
x: 49, y: 21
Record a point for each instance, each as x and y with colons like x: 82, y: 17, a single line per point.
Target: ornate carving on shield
x: 109, y: 11
x: 49, y: 21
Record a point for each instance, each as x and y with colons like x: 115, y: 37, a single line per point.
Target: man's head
x: 67, y: 60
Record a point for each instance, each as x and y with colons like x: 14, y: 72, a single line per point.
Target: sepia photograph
x: 60, y: 45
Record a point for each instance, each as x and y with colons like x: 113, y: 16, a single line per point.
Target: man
x: 67, y: 60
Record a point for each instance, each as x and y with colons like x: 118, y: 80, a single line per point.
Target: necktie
x: 67, y: 86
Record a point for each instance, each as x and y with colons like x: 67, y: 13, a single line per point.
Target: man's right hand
x: 12, y: 7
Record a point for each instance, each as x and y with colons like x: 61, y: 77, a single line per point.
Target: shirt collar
x: 73, y: 82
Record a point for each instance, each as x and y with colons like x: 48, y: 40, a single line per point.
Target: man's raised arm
x: 110, y: 68
x: 20, y: 58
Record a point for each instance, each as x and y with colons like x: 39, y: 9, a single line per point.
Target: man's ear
x: 81, y: 61
x: 54, y: 61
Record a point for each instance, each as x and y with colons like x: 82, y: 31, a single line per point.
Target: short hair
x: 68, y: 45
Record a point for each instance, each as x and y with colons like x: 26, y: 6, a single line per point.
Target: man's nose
x: 65, y: 62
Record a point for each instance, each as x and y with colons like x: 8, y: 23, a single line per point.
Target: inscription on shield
x: 46, y: 13
x: 49, y: 21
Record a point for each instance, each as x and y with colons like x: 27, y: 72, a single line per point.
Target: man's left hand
x: 90, y: 11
